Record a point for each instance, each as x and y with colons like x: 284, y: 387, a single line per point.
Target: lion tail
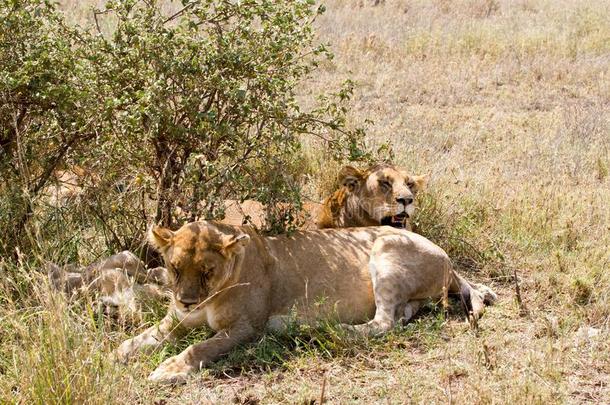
x: 474, y: 296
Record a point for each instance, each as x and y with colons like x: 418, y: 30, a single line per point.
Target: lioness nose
x: 187, y: 301
x: 405, y: 200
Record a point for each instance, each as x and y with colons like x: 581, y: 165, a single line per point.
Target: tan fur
x: 366, y: 197
x: 354, y: 204
x: 67, y: 186
x: 238, y: 282
x: 253, y: 213
x: 119, y: 283
x: 360, y: 200
x: 247, y: 212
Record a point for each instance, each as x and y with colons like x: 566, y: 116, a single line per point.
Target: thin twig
x: 522, y: 308
x: 23, y: 168
x: 179, y: 12
x: 161, y: 198
x: 323, y: 388
x: 97, y: 23
x: 445, y: 298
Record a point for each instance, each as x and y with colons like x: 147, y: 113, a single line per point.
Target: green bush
x: 160, y: 110
x: 45, y: 107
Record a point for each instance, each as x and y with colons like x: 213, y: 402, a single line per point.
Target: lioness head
x: 201, y: 257
x: 383, y: 193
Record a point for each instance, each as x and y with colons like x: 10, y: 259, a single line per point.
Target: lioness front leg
x: 177, y: 368
x: 151, y: 339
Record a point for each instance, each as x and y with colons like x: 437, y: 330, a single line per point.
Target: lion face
x: 116, y: 295
x: 201, y: 260
x: 384, y: 193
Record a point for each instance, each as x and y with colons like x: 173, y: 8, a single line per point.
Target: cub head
x: 202, y: 259
x: 384, y: 193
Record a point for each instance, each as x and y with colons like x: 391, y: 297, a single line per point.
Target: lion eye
x: 410, y: 184
x: 385, y: 183
x: 205, y: 274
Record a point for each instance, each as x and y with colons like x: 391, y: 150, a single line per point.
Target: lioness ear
x: 350, y: 177
x: 160, y: 237
x: 417, y: 183
x: 232, y: 242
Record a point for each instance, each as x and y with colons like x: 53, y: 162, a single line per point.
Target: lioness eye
x: 410, y: 184
x: 205, y: 274
x: 386, y: 183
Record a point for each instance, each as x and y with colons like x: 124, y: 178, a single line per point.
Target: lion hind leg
x: 385, y: 319
x: 382, y: 323
x: 281, y: 323
x: 411, y: 308
x: 388, y: 296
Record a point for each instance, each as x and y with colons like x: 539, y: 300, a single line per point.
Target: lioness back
x: 328, y: 268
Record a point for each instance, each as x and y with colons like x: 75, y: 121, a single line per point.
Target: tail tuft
x: 465, y: 297
x: 472, y: 299
x: 489, y: 297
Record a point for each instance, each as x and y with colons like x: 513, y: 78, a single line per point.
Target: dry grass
x: 506, y: 105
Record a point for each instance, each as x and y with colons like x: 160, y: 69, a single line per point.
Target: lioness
x: 120, y: 283
x: 238, y: 282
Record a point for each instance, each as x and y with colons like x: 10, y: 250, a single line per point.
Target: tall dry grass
x: 505, y: 104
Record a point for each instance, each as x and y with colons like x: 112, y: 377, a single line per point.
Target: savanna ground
x: 505, y: 104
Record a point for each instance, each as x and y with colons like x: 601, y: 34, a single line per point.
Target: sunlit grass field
x: 506, y: 106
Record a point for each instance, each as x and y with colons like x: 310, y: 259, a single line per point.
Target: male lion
x: 380, y: 195
x: 238, y: 282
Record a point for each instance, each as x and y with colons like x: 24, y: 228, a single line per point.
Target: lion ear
x: 159, y: 237
x: 417, y: 183
x: 350, y: 177
x: 232, y: 242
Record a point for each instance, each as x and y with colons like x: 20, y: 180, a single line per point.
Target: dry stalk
x: 522, y: 308
x: 323, y: 390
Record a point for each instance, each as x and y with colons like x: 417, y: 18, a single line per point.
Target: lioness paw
x: 172, y: 371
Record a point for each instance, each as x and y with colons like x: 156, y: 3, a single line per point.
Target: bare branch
x: 179, y: 12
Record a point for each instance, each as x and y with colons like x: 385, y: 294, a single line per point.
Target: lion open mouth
x: 396, y: 221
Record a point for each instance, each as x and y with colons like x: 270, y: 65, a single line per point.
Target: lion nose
x: 187, y: 301
x: 405, y: 200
